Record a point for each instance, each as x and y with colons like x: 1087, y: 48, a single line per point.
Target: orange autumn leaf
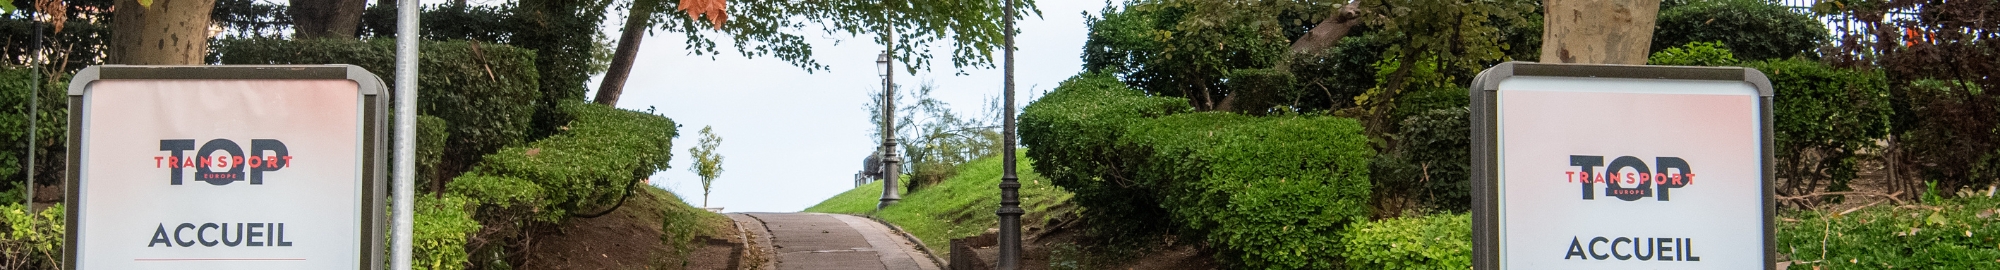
x: 714, y: 9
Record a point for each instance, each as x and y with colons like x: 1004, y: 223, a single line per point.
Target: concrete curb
x: 913, y: 239
x: 760, y: 242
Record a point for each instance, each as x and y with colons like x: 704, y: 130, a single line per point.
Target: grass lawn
x: 961, y: 206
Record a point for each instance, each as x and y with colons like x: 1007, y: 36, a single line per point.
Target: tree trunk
x: 636, y: 23
x: 1598, y: 31
x: 171, y: 32
x: 1330, y: 30
x: 326, y: 18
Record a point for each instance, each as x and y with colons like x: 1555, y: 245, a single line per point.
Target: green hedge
x: 1268, y: 192
x: 487, y: 92
x: 1825, y: 118
x: 583, y: 170
x: 1430, y: 162
x: 431, y: 136
x: 15, y: 85
x: 1070, y: 135
x: 588, y: 166
x: 1271, y: 192
x: 1441, y: 241
x: 1959, y: 233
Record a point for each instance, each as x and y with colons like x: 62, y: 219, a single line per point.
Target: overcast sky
x: 792, y: 138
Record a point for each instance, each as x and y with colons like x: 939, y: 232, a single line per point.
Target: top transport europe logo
x: 205, y: 163
x: 1654, y: 181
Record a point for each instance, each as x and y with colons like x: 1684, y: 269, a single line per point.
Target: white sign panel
x: 1627, y: 173
x: 221, y: 174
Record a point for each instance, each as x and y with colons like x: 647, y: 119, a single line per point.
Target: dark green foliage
x: 51, y: 121
x: 251, y: 18
x: 1270, y: 192
x: 1332, y: 80
x: 1948, y: 131
x: 566, y: 57
x: 1423, y: 100
x: 1428, y: 166
x: 587, y: 168
x: 490, y: 24
x: 1070, y: 135
x: 80, y: 43
x: 1441, y: 241
x: 1187, y: 48
x: 1753, y: 29
x: 485, y: 91
x: 1961, y: 233
x: 1825, y: 118
x: 1258, y: 91
x: 431, y: 136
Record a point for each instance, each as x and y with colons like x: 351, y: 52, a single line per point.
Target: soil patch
x: 632, y: 238
x: 1056, y: 245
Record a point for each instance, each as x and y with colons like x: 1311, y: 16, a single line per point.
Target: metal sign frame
x: 374, y: 163
x: 1486, y: 152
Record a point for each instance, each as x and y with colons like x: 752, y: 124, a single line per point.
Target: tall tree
x: 637, y: 21
x: 326, y: 18
x: 160, y: 32
x: 707, y: 163
x: 772, y: 28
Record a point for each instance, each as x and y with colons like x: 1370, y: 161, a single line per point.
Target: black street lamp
x: 884, y: 66
x: 1010, y: 198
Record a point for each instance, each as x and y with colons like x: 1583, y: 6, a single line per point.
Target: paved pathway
x: 831, y: 241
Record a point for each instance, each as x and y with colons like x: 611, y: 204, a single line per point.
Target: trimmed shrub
x: 1429, y: 164
x: 1271, y: 192
x: 1754, y: 29
x: 31, y: 240
x: 590, y: 165
x: 1071, y: 135
x: 504, y: 208
x: 1442, y: 241
x: 1824, y: 118
x: 1256, y: 91
x: 1959, y: 233
x: 487, y: 92
x: 439, y: 237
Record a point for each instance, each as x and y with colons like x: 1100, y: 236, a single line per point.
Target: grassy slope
x: 960, y: 207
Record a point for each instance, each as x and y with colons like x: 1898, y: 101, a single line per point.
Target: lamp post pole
x: 885, y: 63
x: 1010, y: 185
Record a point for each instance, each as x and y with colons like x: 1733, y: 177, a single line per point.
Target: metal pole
x: 890, y: 171
x: 405, y: 137
x: 1010, y: 185
x: 34, y: 111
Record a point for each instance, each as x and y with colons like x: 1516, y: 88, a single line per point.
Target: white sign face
x: 221, y: 174
x: 1604, y: 173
